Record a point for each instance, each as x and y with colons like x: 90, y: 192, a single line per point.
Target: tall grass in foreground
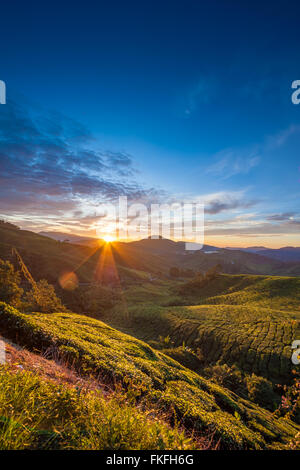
x: 37, y: 414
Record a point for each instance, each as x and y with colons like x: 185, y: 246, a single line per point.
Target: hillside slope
x: 49, y: 259
x: 286, y: 253
x: 200, y: 404
x: 249, y: 321
x: 275, y: 292
x: 41, y: 414
x: 232, y: 261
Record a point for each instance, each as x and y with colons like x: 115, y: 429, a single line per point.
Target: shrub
x: 200, y: 281
x: 290, y: 402
x: 193, y: 286
x: 93, y: 300
x: 10, y: 290
x: 165, y: 341
x: 185, y: 356
x: 213, y: 272
x: 99, y: 299
x: 227, y: 376
x: 42, y: 298
x: 260, y: 390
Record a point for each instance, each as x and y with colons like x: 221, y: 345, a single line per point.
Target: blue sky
x: 158, y: 100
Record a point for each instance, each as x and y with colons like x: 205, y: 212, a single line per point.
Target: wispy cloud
x: 259, y: 229
x: 281, y: 217
x: 225, y: 201
x: 279, y: 139
x: 255, y: 224
x: 231, y: 162
x: 240, y: 161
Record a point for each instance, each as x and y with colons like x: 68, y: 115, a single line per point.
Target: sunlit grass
x: 38, y: 414
x: 198, y: 403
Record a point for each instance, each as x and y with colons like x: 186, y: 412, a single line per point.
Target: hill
x: 77, y: 413
x: 69, y: 237
x: 48, y: 258
x: 232, y: 261
x: 200, y: 404
x: 285, y: 254
x: 249, y: 321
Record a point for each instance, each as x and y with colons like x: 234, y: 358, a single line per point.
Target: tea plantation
x: 199, y: 404
x: 249, y: 321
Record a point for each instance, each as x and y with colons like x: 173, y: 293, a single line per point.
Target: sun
x: 109, y: 238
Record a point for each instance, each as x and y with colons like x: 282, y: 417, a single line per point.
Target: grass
x: 39, y: 414
x: 199, y: 404
x: 158, y: 292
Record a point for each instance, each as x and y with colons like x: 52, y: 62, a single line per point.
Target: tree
x: 193, y: 285
x: 42, y: 298
x: 213, y: 272
x: 99, y: 299
x: 94, y: 299
x: 10, y: 290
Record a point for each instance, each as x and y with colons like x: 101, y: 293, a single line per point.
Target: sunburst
x: 109, y: 238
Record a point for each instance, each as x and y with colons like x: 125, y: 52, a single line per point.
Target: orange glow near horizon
x: 221, y: 241
x: 267, y: 240
x: 109, y: 238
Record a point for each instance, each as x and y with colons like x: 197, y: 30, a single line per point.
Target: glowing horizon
x: 109, y: 238
x: 218, y: 241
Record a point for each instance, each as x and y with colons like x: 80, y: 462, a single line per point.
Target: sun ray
x: 81, y: 263
x: 106, y: 269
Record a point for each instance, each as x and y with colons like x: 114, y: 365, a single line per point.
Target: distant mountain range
x: 70, y: 238
x: 288, y: 254
x: 49, y: 254
x: 233, y: 261
x: 162, y: 246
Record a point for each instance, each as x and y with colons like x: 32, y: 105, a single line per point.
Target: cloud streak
x: 231, y: 163
x: 216, y: 203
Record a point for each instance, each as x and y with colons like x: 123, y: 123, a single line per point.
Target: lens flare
x: 68, y: 281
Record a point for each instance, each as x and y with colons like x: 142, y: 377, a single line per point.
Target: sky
x: 159, y: 101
